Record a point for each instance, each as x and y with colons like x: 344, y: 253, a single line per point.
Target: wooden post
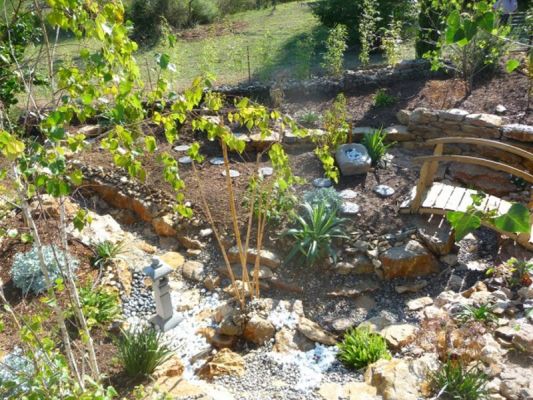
x: 427, y: 174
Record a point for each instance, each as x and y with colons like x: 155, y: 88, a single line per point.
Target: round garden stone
x: 384, y: 190
x: 322, y: 182
x: 348, y: 194
x: 353, y: 159
x: 185, y: 160
x: 232, y: 173
x: 266, y: 171
x: 349, y: 207
x: 182, y: 147
x: 217, y: 161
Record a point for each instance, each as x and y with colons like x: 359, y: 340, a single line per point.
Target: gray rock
x: 182, y: 147
x: 322, y: 182
x: 523, y: 133
x: 216, y: 161
x: 353, y: 159
x: 185, y: 160
x: 454, y: 114
x: 350, y: 208
x: 232, y: 173
x: 384, y: 190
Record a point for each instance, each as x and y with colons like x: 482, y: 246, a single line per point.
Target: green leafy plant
x: 361, y: 347
x: 337, y: 128
x: 142, y: 351
x: 100, y: 305
x: 390, y: 42
x: 455, y: 382
x: 482, y: 313
x: 107, y: 252
x: 515, y: 220
x: 314, y: 233
x: 367, y: 29
x: 309, y: 119
x: 329, y: 197
x: 383, y: 99
x: 333, y: 61
x: 375, y: 145
x: 26, y: 270
x: 521, y: 272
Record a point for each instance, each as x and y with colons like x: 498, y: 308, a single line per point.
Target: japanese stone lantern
x: 165, y: 318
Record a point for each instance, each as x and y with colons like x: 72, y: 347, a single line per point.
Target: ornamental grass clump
x: 26, y: 271
x: 375, y: 145
x: 142, y: 351
x: 361, y: 347
x: 107, y: 252
x: 455, y: 382
x: 314, y: 233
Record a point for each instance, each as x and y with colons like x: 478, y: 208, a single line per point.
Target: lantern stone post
x: 165, y: 318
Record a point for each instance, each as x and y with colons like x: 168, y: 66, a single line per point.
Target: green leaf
x: 512, y: 65
x: 454, y: 20
x: 516, y: 220
x: 463, y: 223
x: 486, y: 21
x: 149, y: 142
x: 164, y: 60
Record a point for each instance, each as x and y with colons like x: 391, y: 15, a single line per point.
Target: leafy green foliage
x: 314, y: 233
x: 107, y: 252
x: 309, y: 119
x: 360, y: 347
x: 100, y: 306
x: 515, y: 220
x: 333, y: 12
x: 455, y: 382
x: 472, y: 39
x: 329, y: 197
x: 337, y: 127
x: 375, y: 145
x: 520, y: 272
x: 367, y: 29
x: 142, y: 351
x: 333, y: 61
x: 390, y: 42
x: 383, y: 99
x: 482, y: 313
x: 26, y: 270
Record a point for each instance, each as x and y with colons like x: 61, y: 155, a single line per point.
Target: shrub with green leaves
x: 329, y: 197
x: 336, y: 45
x: 383, y: 99
x: 26, y: 270
x: 482, y: 313
x: 99, y: 305
x: 107, y: 252
x: 454, y: 381
x: 375, y: 145
x: 16, y: 370
x: 314, y: 233
x: 142, y: 351
x: 361, y: 347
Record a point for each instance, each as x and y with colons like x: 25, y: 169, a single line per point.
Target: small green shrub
x: 26, y: 270
x: 99, y: 305
x: 383, y: 99
x: 329, y: 197
x: 455, y: 382
x: 141, y: 352
x: 483, y: 313
x: 375, y: 145
x: 309, y: 119
x: 336, y: 45
x: 315, y: 232
x: 107, y: 252
x: 360, y: 347
x: 520, y: 271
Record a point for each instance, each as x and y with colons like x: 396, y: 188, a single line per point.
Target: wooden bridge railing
x: 430, y: 163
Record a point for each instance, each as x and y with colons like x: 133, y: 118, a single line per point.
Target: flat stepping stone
x: 232, y: 173
x: 182, y: 147
x: 216, y: 161
x: 185, y: 160
x: 322, y: 182
x: 384, y: 190
x: 348, y: 194
x: 350, y: 208
x: 266, y: 171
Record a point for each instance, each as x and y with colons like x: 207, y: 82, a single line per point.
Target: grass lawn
x: 268, y: 38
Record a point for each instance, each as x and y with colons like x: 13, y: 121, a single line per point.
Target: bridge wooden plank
x: 444, y: 197
x: 432, y: 195
x: 493, y: 203
x: 455, y: 198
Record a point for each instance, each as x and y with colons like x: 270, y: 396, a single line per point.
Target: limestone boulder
x: 259, y: 330
x: 266, y: 257
x: 409, y: 260
x: 520, y: 132
x: 225, y: 362
x: 194, y: 271
x: 173, y: 259
x: 523, y: 339
x: 287, y: 340
x: 437, y: 236
x: 315, y: 332
x: 353, y: 159
x: 399, y: 335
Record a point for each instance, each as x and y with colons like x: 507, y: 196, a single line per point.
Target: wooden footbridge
x: 429, y: 197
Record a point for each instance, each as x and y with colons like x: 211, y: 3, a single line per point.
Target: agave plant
x: 315, y: 232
